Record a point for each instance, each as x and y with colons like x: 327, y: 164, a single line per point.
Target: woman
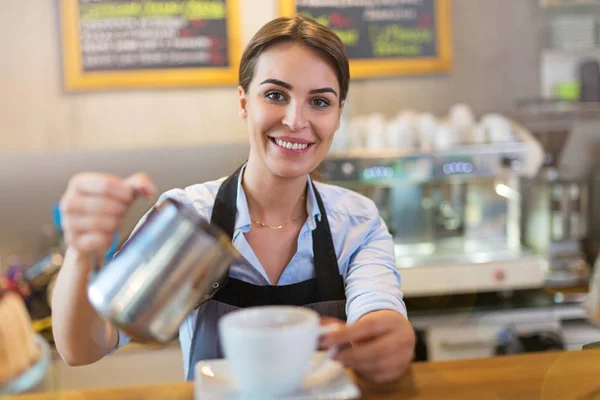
x: 309, y: 244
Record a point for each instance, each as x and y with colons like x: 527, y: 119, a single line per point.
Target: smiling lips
x: 290, y: 145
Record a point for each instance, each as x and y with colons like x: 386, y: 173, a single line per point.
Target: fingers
x: 369, y: 352
x: 141, y: 184
x: 94, y: 206
x: 330, y: 320
x: 103, y: 185
x: 382, y: 360
x: 362, y: 330
x: 93, y: 222
x: 382, y: 345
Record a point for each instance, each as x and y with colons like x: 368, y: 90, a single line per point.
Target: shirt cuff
x: 369, y: 302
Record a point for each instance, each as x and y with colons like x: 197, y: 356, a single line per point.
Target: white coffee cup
x: 270, y: 349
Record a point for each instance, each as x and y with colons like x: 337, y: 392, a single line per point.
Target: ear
x: 242, y: 110
x: 342, y: 104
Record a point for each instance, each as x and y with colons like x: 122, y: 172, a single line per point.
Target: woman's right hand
x: 93, y: 208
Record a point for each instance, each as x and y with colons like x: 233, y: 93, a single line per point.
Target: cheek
x: 327, y: 128
x: 263, y: 117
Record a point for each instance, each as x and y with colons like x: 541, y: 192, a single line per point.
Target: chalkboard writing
x: 152, y: 34
x: 412, y: 33
x: 137, y: 36
x: 378, y: 30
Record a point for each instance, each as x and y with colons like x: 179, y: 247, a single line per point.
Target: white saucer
x: 213, y: 380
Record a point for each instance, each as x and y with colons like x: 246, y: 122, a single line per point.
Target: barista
x: 310, y: 244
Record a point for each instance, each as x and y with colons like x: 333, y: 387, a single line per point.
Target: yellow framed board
x: 120, y: 44
x: 385, y: 37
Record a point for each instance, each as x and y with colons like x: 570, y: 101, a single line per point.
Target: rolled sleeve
x: 372, y: 281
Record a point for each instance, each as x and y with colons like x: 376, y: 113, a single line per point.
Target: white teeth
x: 291, y: 146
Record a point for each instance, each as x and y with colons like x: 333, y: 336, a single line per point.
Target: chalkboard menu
x: 385, y: 37
x: 149, y: 43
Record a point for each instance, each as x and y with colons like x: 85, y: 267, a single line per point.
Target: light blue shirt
x: 363, y: 246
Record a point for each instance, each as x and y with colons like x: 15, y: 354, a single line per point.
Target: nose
x: 294, y: 117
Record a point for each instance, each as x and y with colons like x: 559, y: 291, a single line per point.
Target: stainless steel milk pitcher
x: 171, y: 263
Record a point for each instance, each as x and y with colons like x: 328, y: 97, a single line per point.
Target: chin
x: 287, y: 169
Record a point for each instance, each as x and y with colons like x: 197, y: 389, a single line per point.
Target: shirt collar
x: 242, y: 218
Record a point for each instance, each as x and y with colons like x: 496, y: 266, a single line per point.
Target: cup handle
x: 323, y: 330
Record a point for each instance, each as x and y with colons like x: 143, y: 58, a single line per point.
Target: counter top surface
x: 552, y: 375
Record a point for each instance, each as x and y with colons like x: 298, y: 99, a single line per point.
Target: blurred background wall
x: 496, y: 51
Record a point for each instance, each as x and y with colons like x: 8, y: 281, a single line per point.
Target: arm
x: 81, y: 336
x: 381, y: 337
x: 92, y: 210
x: 382, y: 345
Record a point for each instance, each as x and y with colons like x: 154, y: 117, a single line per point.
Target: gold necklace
x: 263, y: 225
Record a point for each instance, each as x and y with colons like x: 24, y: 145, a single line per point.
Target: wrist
x: 80, y: 261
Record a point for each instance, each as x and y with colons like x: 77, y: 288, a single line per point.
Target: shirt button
x: 215, y: 285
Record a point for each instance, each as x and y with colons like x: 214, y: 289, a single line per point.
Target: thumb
x: 335, y: 323
x: 329, y: 320
x: 141, y: 184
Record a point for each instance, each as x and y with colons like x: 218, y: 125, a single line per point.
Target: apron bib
x: 324, y: 293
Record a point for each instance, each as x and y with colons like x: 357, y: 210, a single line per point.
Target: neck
x: 272, y: 199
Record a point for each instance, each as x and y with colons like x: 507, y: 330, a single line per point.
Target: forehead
x: 296, y: 64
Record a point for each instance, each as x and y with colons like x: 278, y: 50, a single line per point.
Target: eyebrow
x: 290, y: 87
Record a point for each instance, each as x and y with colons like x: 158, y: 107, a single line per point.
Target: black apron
x: 325, y: 293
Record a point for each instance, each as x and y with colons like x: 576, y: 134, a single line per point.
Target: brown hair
x: 302, y: 30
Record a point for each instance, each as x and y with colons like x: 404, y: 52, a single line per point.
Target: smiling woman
x: 294, y: 79
x: 291, y: 100
x: 307, y: 244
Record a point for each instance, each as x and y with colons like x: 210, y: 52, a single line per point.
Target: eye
x: 320, y: 102
x: 275, y: 96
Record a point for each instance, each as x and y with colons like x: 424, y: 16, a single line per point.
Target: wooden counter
x: 557, y: 375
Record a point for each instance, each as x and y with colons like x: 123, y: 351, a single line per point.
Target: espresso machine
x: 455, y: 214
x: 561, y: 201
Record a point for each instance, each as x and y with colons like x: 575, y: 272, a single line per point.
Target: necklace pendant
x: 263, y: 225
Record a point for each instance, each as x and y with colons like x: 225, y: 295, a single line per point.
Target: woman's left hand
x: 382, y: 345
